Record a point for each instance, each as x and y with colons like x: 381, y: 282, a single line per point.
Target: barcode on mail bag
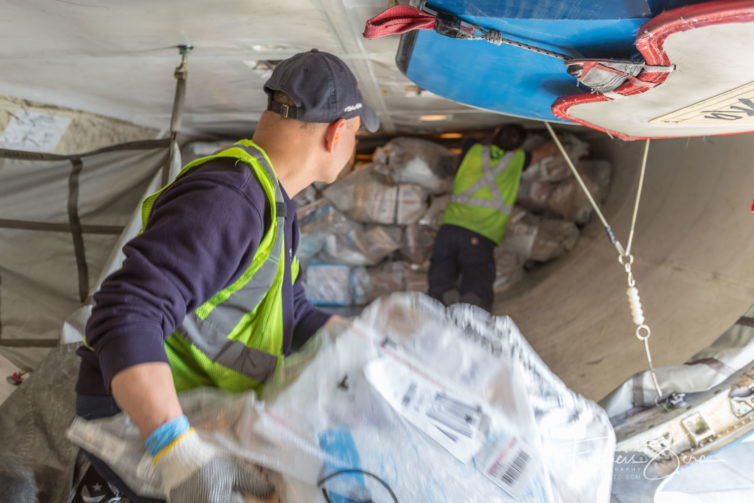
x: 513, y: 468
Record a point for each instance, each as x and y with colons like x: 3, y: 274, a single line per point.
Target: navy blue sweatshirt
x: 202, y: 234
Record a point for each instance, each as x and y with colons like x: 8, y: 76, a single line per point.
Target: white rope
x: 652, y: 372
x: 596, y: 208
x: 624, y: 257
x: 638, y: 197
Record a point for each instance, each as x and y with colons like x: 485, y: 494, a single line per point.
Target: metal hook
x: 181, y: 71
x: 639, y: 335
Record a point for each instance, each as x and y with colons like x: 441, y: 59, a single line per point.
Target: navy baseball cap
x: 323, y: 88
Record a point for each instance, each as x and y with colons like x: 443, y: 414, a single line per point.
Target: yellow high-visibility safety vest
x: 234, y: 340
x: 484, y: 190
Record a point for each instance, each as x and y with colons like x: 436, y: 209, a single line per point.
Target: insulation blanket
x: 409, y: 402
x: 730, y: 352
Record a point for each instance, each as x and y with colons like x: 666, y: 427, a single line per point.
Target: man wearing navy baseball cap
x: 322, y: 88
x: 210, y: 292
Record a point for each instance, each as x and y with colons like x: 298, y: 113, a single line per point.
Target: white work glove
x: 194, y: 471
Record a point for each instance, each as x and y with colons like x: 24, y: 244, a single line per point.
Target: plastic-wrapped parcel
x: 337, y: 284
x: 532, y: 237
x: 366, y: 196
x: 344, y: 285
x: 418, y: 161
x: 329, y: 236
x: 549, y: 187
x: 411, y: 402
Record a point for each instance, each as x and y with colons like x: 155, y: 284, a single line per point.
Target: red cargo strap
x: 397, y: 20
x: 404, y: 18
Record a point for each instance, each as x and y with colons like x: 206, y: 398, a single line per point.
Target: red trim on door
x: 650, y: 42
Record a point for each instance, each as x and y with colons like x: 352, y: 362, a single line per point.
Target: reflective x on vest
x: 488, y: 178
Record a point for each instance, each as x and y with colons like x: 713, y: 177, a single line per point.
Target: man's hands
x: 193, y: 471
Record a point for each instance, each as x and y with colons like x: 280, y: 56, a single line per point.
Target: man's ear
x: 333, y: 134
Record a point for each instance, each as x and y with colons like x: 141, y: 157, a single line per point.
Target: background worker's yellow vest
x: 234, y: 340
x: 484, y: 191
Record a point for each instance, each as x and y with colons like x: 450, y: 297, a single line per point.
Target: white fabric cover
x: 707, y: 368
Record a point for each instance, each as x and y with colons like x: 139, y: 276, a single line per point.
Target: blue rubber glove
x: 194, y: 471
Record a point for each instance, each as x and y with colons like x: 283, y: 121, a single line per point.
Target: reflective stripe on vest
x: 210, y: 334
x: 488, y: 179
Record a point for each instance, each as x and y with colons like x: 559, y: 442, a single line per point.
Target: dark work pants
x: 461, y: 252
x: 96, y: 407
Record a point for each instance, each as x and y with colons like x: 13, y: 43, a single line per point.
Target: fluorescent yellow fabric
x: 488, y: 222
x: 260, y: 328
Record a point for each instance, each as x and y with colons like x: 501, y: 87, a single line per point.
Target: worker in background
x: 210, y: 292
x: 475, y: 219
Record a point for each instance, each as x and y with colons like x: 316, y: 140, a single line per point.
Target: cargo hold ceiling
x: 117, y: 59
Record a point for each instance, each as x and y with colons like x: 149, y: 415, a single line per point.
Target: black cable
x: 496, y: 37
x: 450, y: 25
x: 354, y: 470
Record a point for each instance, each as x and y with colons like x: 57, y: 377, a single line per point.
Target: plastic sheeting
x: 328, y: 235
x: 418, y: 241
x: 404, y: 189
x: 64, y: 219
x: 343, y: 285
x: 365, y: 196
x: 422, y: 162
x: 537, y: 238
x: 336, y: 284
x: 393, y: 277
x: 439, y: 405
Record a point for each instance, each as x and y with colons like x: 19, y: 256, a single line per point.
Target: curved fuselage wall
x: 694, y: 267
